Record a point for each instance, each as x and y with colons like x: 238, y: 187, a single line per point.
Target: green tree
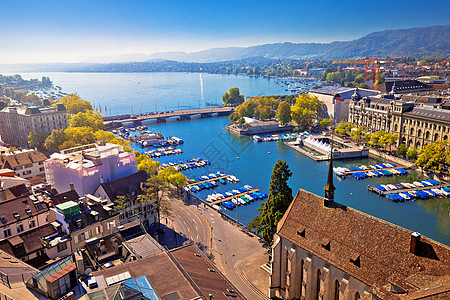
x: 232, y: 97
x: 74, y: 104
x: 326, y: 122
x: 434, y: 156
x: 284, y: 113
x: 37, y: 139
x: 88, y: 118
x: 306, y: 110
x: 121, y: 203
x: 358, y: 134
x: 178, y: 180
x: 55, y: 139
x: 147, y: 164
x: 402, y: 149
x: 153, y: 194
x: 344, y: 128
x: 412, y: 153
x: 271, y: 210
x: 363, y: 86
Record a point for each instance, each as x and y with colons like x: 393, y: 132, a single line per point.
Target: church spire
x: 329, y: 188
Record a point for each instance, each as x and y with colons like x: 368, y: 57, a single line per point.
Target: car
x: 92, y: 282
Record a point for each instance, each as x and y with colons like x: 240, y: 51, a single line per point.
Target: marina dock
x: 383, y: 193
x: 234, y: 196
x: 369, y: 170
x: 207, y: 180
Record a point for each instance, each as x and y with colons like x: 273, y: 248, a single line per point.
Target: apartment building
x: 18, y: 121
x: 25, y: 163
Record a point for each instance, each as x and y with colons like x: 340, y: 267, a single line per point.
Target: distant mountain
x: 417, y: 42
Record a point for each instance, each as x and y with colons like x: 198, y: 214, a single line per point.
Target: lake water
x: 207, y: 138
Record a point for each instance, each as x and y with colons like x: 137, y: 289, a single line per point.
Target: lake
x: 145, y: 92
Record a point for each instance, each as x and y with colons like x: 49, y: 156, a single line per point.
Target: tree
x: 37, y: 139
x: 178, y: 180
x: 434, y: 156
x: 326, y: 122
x: 153, y: 191
x: 77, y: 136
x: 271, y: 210
x: 284, y: 113
x: 306, y: 110
x: 147, y: 164
x: 88, y: 118
x: 412, y: 153
x: 358, y: 133
x: 55, y: 139
x: 74, y: 104
x: 232, y: 97
x: 363, y: 86
x: 344, y: 127
x: 402, y: 149
x: 121, y: 203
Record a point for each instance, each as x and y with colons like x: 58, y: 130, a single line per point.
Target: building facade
x: 86, y: 167
x: 417, y: 126
x: 17, y: 122
x: 25, y: 163
x: 374, y: 113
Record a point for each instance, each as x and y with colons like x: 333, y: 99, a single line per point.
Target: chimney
x: 72, y: 187
x: 101, y: 179
x: 415, y: 241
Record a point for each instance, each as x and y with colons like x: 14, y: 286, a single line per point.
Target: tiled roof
x: 125, y: 185
x: 430, y: 113
x: 27, y: 242
x: 23, y: 206
x: 71, y: 195
x: 21, y: 159
x: 15, y: 192
x: 404, y: 86
x: 377, y: 248
x: 87, y: 218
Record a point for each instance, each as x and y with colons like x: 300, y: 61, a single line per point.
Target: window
x: 19, y: 228
x: 7, y: 233
x: 61, y: 247
x: 98, y: 230
x: 32, y: 224
x: 82, y: 237
x: 26, y: 172
x: 41, y: 169
x: 336, y: 290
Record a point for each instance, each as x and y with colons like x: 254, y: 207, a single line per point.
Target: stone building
x: 372, y: 112
x: 323, y: 250
x: 17, y: 122
x: 25, y: 163
x: 417, y: 126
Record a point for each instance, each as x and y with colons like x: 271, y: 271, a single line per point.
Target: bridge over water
x: 162, y: 117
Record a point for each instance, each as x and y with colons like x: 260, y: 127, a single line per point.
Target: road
x: 237, y: 254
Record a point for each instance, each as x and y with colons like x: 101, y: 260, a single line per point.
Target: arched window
x: 317, y: 285
x: 445, y: 137
x: 427, y: 135
x: 418, y: 145
x: 357, y: 296
x: 410, y: 143
x: 395, y: 127
x: 436, y: 136
x: 404, y: 129
x: 302, y: 280
x: 336, y: 290
x: 419, y: 133
x: 411, y: 131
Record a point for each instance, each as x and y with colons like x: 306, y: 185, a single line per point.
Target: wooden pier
x: 232, y: 197
x: 383, y: 193
x: 206, y: 180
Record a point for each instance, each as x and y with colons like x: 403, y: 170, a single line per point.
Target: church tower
x: 329, y: 188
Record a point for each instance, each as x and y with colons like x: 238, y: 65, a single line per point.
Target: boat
x: 257, y: 138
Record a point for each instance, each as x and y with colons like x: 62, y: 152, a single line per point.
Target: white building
x: 17, y: 122
x: 25, y: 163
x: 336, y: 100
x: 86, y: 167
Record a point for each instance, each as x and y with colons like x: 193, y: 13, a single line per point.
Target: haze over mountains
x: 417, y: 42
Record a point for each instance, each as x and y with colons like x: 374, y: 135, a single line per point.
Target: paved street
x: 237, y: 254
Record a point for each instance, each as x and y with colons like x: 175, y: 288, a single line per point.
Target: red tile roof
x: 383, y: 248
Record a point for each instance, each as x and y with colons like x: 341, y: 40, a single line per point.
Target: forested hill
x: 416, y: 42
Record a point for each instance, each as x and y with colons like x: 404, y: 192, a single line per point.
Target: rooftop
x: 124, y: 186
x: 29, y: 110
x: 20, y: 209
x: 20, y: 158
x: 430, y: 113
x: 367, y: 248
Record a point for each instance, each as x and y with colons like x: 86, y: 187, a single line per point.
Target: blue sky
x: 74, y: 31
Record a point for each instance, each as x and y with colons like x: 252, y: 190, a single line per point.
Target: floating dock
x: 371, y: 170
x: 384, y: 193
x: 207, y: 180
x: 232, y: 197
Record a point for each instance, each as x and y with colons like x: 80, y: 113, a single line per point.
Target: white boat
x: 257, y: 138
x: 216, y: 207
x: 417, y: 184
x: 387, y: 188
x: 228, y: 194
x: 392, y: 187
x: 404, y: 196
x: 249, y: 187
x: 241, y: 201
x: 249, y: 197
x: 235, y: 201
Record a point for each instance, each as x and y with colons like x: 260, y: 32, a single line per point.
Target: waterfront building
x: 25, y: 163
x: 86, y: 167
x: 417, y: 126
x: 336, y: 100
x: 18, y: 121
x: 253, y: 126
x: 374, y: 113
x: 324, y: 250
x: 129, y: 187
